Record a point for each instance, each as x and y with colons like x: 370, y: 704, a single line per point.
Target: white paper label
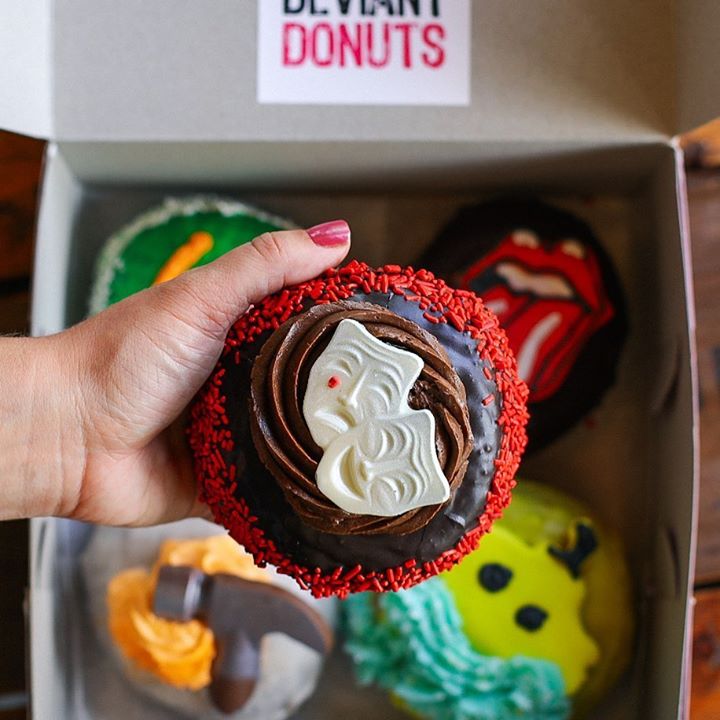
x: 364, y: 52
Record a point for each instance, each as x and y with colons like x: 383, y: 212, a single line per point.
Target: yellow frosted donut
x: 551, y: 582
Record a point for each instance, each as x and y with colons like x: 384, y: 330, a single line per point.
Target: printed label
x: 364, y: 52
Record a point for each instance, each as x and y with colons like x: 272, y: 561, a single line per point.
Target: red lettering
x: 405, y: 29
x: 436, y: 57
x: 347, y: 43
x: 371, y: 42
x: 317, y: 46
x: 299, y: 46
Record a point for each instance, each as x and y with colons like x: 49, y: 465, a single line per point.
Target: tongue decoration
x: 549, y: 299
x: 555, y: 290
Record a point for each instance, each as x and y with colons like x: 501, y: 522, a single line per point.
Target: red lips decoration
x: 549, y: 299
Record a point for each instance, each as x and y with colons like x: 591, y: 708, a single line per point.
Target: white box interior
x: 635, y: 466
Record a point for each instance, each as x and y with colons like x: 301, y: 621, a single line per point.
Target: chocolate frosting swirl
x: 282, y: 438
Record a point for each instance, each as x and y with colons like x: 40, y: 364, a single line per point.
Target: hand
x: 88, y: 415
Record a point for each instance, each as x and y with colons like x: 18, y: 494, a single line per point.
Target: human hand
x: 90, y: 412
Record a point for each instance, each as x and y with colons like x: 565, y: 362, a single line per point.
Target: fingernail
x: 330, y: 234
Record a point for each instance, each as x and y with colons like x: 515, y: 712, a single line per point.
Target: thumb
x: 210, y: 298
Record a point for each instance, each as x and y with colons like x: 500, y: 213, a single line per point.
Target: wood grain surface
x: 20, y: 160
x: 20, y: 164
x: 20, y: 167
x: 705, y: 700
x: 704, y: 196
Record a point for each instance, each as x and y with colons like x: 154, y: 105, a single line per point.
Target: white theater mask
x: 379, y: 454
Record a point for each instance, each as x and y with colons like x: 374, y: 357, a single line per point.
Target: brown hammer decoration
x: 239, y: 613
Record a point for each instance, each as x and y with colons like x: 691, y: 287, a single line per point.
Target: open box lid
x: 579, y: 70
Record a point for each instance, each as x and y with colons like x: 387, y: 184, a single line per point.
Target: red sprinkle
x: 333, y: 382
x: 211, y: 440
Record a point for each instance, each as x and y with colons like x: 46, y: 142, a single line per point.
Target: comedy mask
x: 379, y: 454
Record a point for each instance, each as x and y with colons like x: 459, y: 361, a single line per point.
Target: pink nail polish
x: 330, y: 234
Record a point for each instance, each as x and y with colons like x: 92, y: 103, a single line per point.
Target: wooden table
x: 704, y: 194
x: 20, y: 161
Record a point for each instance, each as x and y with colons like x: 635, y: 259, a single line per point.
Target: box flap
x: 186, y: 70
x: 698, y: 52
x: 25, y: 67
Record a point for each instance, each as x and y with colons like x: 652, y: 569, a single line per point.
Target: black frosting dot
x: 531, y: 617
x: 494, y: 577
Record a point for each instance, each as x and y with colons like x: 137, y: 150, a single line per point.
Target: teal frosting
x: 412, y: 643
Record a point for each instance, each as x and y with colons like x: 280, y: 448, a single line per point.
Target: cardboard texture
x: 596, y: 69
x: 576, y: 100
x: 698, y: 83
x: 26, y: 59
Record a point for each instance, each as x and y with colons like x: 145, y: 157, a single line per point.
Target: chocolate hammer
x: 239, y: 612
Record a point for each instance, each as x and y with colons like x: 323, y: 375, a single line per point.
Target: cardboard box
x: 576, y: 99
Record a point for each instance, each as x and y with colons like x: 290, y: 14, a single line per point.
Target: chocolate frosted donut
x: 284, y: 443
x: 362, y: 430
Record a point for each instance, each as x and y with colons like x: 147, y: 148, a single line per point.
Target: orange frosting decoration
x: 213, y: 555
x: 179, y: 653
x: 199, y: 244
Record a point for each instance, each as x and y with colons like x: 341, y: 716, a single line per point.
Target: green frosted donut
x: 135, y: 256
